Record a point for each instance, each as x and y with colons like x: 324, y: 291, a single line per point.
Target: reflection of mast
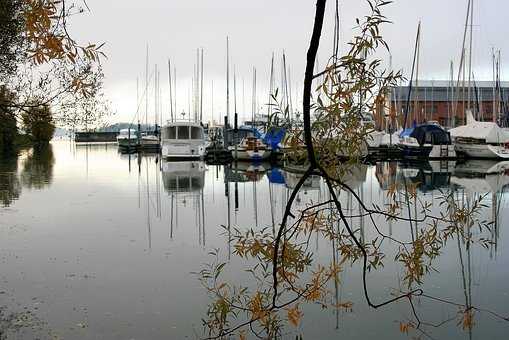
x: 148, y: 208
x: 171, y: 217
x: 158, y: 186
x: 227, y: 194
x: 255, y: 204
x: 271, y: 208
x: 407, y: 199
x: 363, y: 237
x: 203, y: 217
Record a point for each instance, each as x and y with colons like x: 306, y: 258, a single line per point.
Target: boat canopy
x: 274, y: 137
x: 183, y: 132
x: 406, y: 133
x: 127, y: 131
x: 488, y: 132
x: 430, y: 134
x: 242, y: 132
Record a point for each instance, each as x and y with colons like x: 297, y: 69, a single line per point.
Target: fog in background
x: 175, y: 29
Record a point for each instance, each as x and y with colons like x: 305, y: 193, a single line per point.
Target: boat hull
x: 250, y: 155
x: 183, y: 150
x: 127, y: 143
x: 427, y: 151
x: 487, y: 151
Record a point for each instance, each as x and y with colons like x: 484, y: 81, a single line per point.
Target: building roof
x: 444, y: 91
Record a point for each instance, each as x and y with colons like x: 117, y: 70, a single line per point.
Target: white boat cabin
x: 183, y: 140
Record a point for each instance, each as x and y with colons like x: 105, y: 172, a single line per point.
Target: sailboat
x: 481, y: 139
x: 251, y: 147
x: 150, y: 140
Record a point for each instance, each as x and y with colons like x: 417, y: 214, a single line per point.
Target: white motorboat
x: 183, y: 140
x: 127, y: 138
x: 481, y: 139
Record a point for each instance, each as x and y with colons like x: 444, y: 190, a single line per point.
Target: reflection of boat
x: 183, y: 140
x: 183, y: 176
x: 482, y: 176
x: 292, y: 178
x: 476, y: 167
x: 482, y: 183
x: 246, y: 172
x: 427, y: 176
x: 481, y: 139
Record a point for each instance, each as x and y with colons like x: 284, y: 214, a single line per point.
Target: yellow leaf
x: 294, y: 315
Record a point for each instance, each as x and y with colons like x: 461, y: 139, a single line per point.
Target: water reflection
x: 37, y: 170
x: 183, y: 177
x: 184, y: 182
x: 427, y: 176
x: 10, y: 186
x: 145, y: 223
x: 241, y: 172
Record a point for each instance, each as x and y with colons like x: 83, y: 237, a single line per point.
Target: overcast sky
x: 175, y: 28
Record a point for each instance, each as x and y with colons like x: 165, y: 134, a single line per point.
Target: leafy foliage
x: 50, y: 67
x: 38, y: 123
x: 286, y: 274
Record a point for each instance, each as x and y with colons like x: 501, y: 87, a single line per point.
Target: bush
x: 8, y: 127
x: 38, y: 123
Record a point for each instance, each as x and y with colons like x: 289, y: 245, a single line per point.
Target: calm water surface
x: 98, y: 245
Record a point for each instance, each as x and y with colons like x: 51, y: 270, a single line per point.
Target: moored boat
x: 128, y: 139
x: 481, y: 139
x: 183, y: 140
x: 251, y: 149
x: 429, y: 140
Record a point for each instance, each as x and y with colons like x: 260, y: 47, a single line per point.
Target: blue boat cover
x: 406, y: 133
x: 274, y: 137
x: 275, y: 176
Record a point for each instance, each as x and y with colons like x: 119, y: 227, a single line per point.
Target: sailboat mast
x: 175, y: 89
x: 254, y: 98
x: 271, y: 85
x: 493, y: 85
x: 451, y: 93
x: 212, y: 101
x: 171, y: 90
x: 407, y: 106
x: 146, y: 87
x: 156, y: 92
x: 416, y: 102
x: 234, y: 91
x: 227, y: 80
x: 195, y: 85
x: 138, y: 100
x: 470, y: 55
x: 201, y: 87
x: 462, y: 61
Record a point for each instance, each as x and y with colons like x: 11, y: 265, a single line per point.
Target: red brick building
x: 440, y: 101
